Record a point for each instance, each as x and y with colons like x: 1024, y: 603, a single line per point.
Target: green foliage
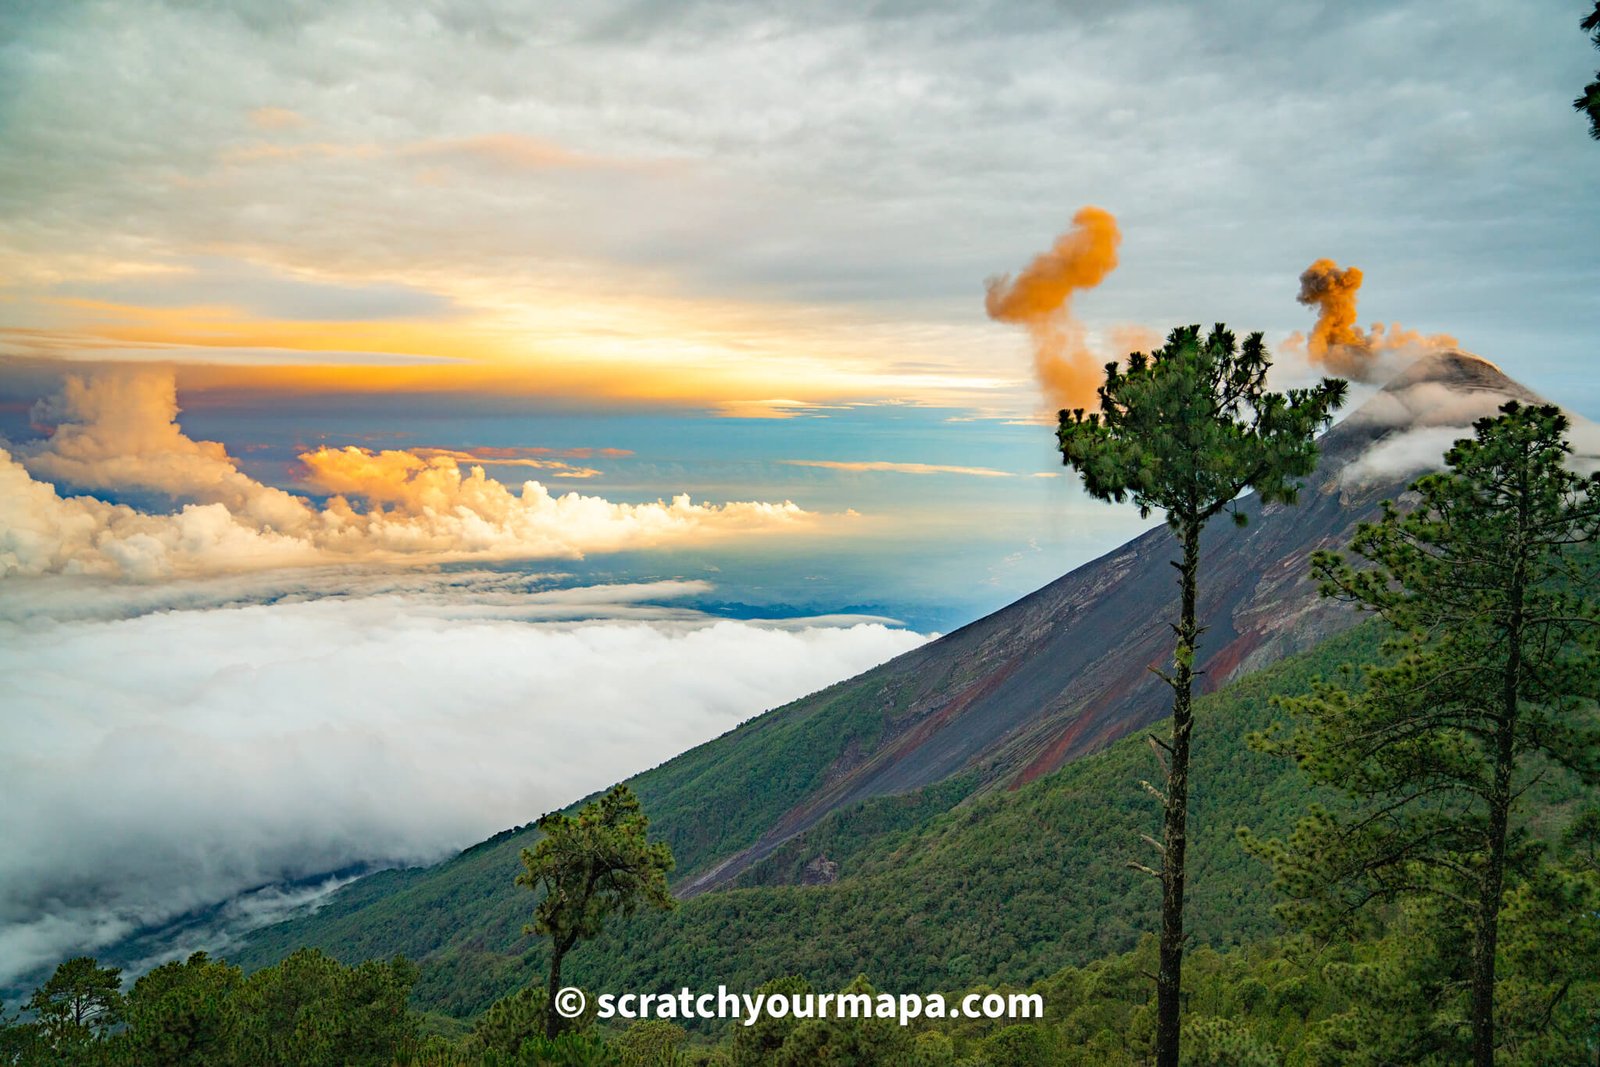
x: 571, y: 1049
x: 594, y: 865
x: 853, y: 1042
x: 1494, y: 679
x: 512, y: 1020
x: 311, y: 1011
x: 1189, y: 427
x: 759, y: 1043
x: 179, y: 1013
x: 308, y: 1011
x: 589, y: 867
x: 1019, y: 1045
x: 1548, y: 994
x: 1219, y: 1042
x: 77, y: 1005
x: 652, y: 1043
x: 1589, y: 102
x: 1186, y: 430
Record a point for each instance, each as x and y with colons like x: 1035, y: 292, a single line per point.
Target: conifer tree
x: 1494, y: 670
x: 590, y: 866
x: 1186, y: 430
x: 78, y: 1004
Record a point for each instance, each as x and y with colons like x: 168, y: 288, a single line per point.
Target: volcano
x: 1056, y: 676
x: 1067, y: 670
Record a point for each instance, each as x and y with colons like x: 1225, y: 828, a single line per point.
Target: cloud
x: 119, y: 431
x: 508, y: 458
x: 172, y: 759
x: 1409, y: 452
x: 116, y: 432
x: 777, y: 408
x: 516, y: 151
x: 1418, y: 421
x: 896, y: 468
x: 867, y: 162
x: 276, y: 118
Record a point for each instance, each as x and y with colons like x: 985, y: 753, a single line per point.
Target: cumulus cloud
x: 117, y: 431
x: 162, y: 761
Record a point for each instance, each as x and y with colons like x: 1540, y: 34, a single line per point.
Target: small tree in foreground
x: 589, y: 866
x: 1495, y: 672
x: 1185, y: 430
x: 78, y: 1004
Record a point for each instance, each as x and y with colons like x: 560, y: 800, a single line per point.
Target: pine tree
x: 1185, y: 430
x: 590, y: 866
x: 1494, y: 670
x: 78, y: 1004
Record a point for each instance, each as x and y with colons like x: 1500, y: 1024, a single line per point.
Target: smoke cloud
x: 1040, y: 299
x: 118, y: 432
x: 1338, y: 343
x: 172, y: 759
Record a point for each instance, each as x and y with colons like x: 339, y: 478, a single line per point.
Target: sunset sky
x: 676, y: 310
x: 746, y: 244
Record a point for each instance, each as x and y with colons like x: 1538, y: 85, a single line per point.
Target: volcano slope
x: 1056, y: 676
x: 1066, y: 670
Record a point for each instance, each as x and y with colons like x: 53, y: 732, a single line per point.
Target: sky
x: 335, y: 335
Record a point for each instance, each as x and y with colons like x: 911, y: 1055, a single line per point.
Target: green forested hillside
x: 1007, y: 886
x: 933, y: 892
x: 709, y: 801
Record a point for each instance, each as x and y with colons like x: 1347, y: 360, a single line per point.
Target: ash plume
x: 1337, y: 342
x: 1040, y: 299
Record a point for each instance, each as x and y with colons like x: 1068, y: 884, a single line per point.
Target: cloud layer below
x: 161, y: 761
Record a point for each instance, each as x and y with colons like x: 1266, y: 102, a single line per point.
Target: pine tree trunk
x: 552, y: 1018
x: 1490, y: 888
x: 1174, y: 838
x: 1486, y: 933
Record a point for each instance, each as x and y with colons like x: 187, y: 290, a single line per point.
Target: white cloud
x: 1409, y: 452
x: 173, y: 759
x: 848, y: 156
x: 1420, y: 420
x: 116, y: 431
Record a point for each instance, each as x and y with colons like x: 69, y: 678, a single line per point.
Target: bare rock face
x: 820, y: 871
x: 1065, y: 671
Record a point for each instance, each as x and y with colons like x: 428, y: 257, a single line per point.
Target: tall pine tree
x: 1185, y: 430
x: 1494, y: 671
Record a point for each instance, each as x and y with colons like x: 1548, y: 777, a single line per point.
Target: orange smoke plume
x: 1337, y: 342
x: 1040, y: 298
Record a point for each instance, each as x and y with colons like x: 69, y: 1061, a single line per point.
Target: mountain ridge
x: 992, y: 706
x: 1030, y: 687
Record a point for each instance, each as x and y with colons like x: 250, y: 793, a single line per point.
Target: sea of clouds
x: 172, y: 748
